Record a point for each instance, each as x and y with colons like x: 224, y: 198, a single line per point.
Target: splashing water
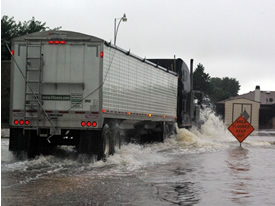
x: 210, y: 137
x: 213, y: 126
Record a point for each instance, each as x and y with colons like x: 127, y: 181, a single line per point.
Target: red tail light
x: 12, y: 52
x: 21, y: 122
x: 101, y: 54
x: 94, y: 124
x: 27, y: 122
x: 16, y: 122
x: 83, y: 124
x: 57, y: 42
x: 89, y: 124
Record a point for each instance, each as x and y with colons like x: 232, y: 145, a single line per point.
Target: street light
x: 116, y: 27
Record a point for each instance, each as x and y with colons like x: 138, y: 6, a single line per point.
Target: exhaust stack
x: 257, y: 96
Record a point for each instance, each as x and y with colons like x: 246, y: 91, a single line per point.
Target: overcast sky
x: 231, y: 38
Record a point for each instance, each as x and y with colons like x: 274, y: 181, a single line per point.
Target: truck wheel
x: 115, y: 140
x: 105, y: 142
x: 172, y: 130
x: 165, y: 131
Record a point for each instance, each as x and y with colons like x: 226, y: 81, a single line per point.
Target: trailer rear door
x: 70, y: 73
x: 69, y: 79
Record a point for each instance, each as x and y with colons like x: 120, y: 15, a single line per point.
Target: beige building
x: 258, y: 106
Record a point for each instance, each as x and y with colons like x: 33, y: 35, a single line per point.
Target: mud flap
x: 17, y: 140
x: 29, y: 142
x: 89, y: 141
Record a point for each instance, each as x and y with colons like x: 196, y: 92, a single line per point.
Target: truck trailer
x: 69, y: 88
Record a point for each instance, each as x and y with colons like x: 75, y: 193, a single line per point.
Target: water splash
x: 210, y: 137
x: 213, y: 126
x: 134, y: 156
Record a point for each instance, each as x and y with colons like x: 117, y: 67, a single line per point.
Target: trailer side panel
x: 136, y: 88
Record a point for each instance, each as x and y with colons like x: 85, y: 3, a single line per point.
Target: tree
x: 31, y: 26
x: 8, y: 31
x: 11, y: 29
x: 216, y: 89
x: 221, y: 89
x: 201, y: 80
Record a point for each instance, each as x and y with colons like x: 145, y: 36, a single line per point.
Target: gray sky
x: 231, y: 38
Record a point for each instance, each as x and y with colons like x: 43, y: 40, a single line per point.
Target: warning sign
x: 241, y: 129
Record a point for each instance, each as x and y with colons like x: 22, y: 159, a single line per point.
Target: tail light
x: 21, y: 122
x: 57, y: 42
x: 94, y: 124
x: 89, y: 124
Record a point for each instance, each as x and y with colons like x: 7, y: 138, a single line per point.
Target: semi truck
x: 69, y: 88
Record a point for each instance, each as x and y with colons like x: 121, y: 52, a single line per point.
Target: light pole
x: 116, y: 27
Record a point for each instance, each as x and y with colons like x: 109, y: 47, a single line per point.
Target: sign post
x: 241, y: 129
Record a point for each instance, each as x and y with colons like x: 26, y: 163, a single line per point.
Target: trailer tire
x: 105, y: 143
x: 115, y: 140
x: 172, y: 130
x: 165, y: 131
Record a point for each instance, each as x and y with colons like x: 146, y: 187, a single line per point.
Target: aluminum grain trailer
x: 69, y: 88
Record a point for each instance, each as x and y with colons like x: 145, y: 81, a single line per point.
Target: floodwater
x: 206, y: 167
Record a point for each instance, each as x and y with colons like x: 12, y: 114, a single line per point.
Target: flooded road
x: 193, y: 168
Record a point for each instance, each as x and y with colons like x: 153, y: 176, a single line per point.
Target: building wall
x: 234, y: 108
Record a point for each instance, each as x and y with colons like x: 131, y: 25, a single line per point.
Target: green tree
x: 224, y: 88
x: 201, y: 80
x: 8, y: 31
x: 11, y: 29
x: 216, y: 89
x: 31, y: 26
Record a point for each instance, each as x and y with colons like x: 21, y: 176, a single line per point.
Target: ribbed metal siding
x: 134, y: 86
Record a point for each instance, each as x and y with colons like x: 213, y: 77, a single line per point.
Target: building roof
x: 267, y: 97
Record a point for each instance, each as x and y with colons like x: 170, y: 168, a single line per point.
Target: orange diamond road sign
x: 241, y: 128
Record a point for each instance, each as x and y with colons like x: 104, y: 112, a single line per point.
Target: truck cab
x: 188, y: 107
